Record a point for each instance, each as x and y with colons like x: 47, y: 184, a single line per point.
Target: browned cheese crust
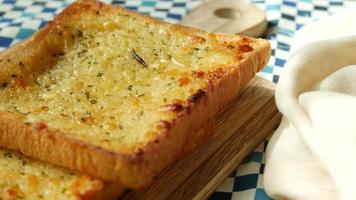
x: 139, y: 166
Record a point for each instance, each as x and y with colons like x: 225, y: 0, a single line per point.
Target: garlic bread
x: 118, y: 95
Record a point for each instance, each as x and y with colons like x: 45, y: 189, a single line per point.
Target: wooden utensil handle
x: 228, y: 16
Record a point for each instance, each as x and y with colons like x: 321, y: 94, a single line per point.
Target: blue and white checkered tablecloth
x: 21, y: 18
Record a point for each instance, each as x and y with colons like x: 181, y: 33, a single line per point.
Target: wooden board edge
x: 214, y: 183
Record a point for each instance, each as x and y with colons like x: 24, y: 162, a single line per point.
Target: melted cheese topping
x: 110, y: 84
x: 22, y: 178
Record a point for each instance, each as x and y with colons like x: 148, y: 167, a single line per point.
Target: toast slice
x: 118, y: 95
x: 27, y: 179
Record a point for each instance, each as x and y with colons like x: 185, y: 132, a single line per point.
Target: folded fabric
x: 312, y: 155
x: 338, y: 25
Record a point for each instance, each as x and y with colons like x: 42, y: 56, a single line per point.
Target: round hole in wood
x: 228, y: 13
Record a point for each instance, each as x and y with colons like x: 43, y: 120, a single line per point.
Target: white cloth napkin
x: 312, y: 155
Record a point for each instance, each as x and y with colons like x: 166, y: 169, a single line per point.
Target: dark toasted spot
x: 199, y: 74
x: 44, y: 108
x: 4, y: 85
x: 87, y: 119
x: 245, y: 48
x: 140, y: 152
x: 197, y: 96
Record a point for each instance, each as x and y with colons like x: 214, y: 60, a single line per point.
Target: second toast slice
x: 28, y: 179
x: 118, y: 95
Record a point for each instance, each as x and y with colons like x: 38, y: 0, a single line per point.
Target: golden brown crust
x: 138, y: 168
x: 108, y: 192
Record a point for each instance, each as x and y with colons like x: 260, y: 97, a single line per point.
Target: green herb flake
x: 79, y: 33
x: 44, y: 174
x: 100, y: 74
x: 8, y: 155
x: 86, y: 94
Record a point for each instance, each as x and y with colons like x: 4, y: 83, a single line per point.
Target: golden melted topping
x: 109, y: 86
x: 22, y: 178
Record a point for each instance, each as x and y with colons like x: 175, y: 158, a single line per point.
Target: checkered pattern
x: 171, y: 11
x: 21, y: 18
x: 246, y: 181
x: 293, y: 15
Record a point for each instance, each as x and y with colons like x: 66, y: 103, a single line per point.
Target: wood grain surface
x: 239, y: 128
x: 228, y: 16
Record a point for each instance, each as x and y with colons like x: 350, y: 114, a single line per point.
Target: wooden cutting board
x: 239, y: 128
